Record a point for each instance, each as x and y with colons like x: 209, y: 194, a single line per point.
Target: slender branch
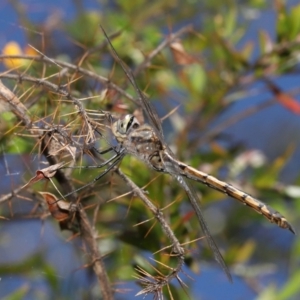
x: 160, y: 47
x: 10, y: 195
x: 14, y: 104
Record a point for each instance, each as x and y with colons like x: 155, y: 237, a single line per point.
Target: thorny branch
x: 91, y: 74
x: 87, y: 233
x: 157, y: 283
x: 69, y: 66
x: 152, y: 284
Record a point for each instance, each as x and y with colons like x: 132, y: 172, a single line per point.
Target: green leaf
x: 282, y: 22
x: 265, y: 42
x: 230, y: 22
x: 18, y: 145
x: 195, y: 77
x: 269, y: 293
x: 51, y: 274
x: 78, y: 28
x: 292, y: 288
x: 18, y: 294
x: 294, y: 20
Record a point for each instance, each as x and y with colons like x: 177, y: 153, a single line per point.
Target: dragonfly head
x: 122, y: 127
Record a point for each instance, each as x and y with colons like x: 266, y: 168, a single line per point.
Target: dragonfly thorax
x: 140, y: 141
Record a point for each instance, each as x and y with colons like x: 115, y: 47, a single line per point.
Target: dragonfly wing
x: 144, y: 102
x: 172, y: 167
x: 194, y: 202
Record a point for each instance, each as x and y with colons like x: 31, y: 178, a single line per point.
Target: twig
x: 160, y: 47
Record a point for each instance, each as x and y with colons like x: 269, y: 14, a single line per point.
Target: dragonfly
x: 146, y: 142
x: 142, y: 142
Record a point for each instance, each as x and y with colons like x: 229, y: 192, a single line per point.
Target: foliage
x: 64, y: 88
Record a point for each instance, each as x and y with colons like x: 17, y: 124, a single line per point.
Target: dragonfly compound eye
x: 121, y: 127
x: 131, y: 122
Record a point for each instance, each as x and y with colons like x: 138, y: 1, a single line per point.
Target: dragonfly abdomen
x: 271, y: 214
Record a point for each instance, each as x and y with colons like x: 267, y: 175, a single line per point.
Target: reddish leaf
x: 188, y: 216
x: 65, y: 213
x: 45, y: 173
x: 120, y: 107
x: 289, y: 102
x: 114, y: 103
x: 138, y: 113
x: 50, y: 171
x: 284, y: 99
x: 60, y: 210
x: 180, y: 55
